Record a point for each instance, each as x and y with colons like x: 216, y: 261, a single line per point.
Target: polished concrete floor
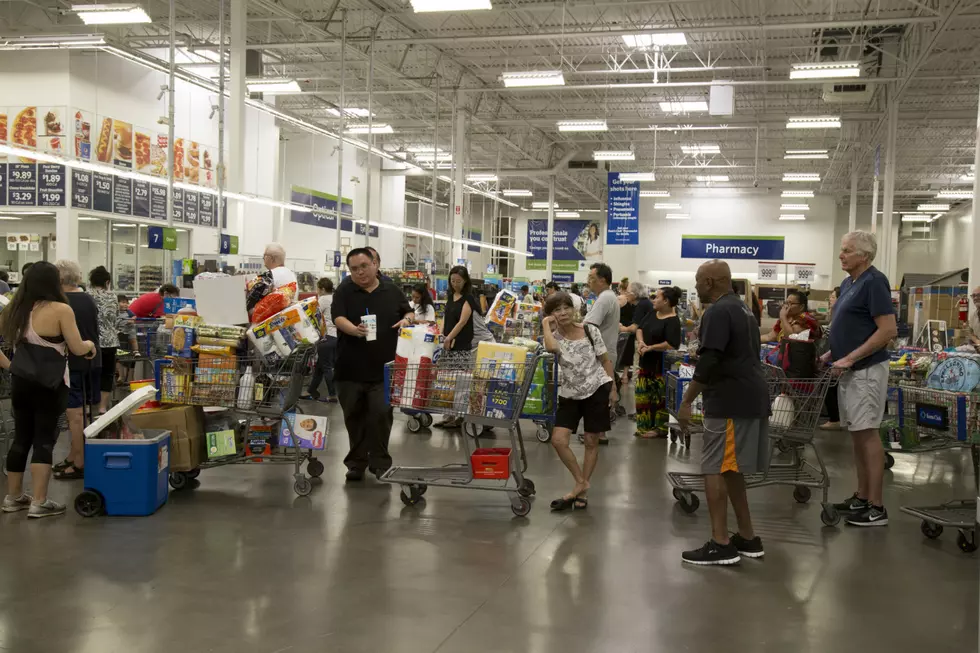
x: 241, y: 565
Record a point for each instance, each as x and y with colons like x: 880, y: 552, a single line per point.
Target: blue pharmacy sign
x: 563, y: 278
x: 623, y: 215
x: 760, y: 248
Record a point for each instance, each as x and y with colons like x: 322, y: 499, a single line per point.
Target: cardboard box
x: 186, y: 426
x: 308, y: 431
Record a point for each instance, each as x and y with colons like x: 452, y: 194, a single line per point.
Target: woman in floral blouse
x: 100, y: 282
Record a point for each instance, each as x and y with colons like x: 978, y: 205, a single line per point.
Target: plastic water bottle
x: 246, y: 389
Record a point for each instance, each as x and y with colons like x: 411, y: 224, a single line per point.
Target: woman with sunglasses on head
x: 585, y: 392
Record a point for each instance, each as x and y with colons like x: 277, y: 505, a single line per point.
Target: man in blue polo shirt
x: 864, y: 323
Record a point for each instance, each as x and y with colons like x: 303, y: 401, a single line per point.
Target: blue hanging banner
x: 563, y: 278
x: 336, y: 258
x: 623, y: 216
x: 760, y: 248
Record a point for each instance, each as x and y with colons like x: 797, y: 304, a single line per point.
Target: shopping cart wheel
x: 314, y: 467
x: 414, y: 424
x: 179, y: 480
x: 412, y: 494
x: 889, y: 460
x: 521, y: 507
x: 526, y: 488
x: 930, y: 530
x: 194, y: 473
x: 543, y: 433
x: 426, y: 420
x: 801, y: 493
x: 302, y: 486
x: 89, y: 503
x: 829, y: 516
x: 783, y: 445
x: 688, y: 501
x: 967, y: 543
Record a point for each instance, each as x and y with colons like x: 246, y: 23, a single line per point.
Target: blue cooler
x: 124, y: 477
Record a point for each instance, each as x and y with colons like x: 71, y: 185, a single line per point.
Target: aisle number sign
x: 804, y: 274
x: 768, y: 272
x: 161, y: 238
x: 228, y: 244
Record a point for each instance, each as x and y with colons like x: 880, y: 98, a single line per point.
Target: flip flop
x: 62, y: 466
x: 74, y: 474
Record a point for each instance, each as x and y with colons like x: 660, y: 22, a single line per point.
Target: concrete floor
x: 241, y: 565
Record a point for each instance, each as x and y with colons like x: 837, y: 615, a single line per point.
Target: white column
x: 551, y: 228
x: 888, y: 242
x: 874, y: 206
x: 459, y: 177
x: 66, y: 231
x: 235, y: 125
x: 974, y: 222
x: 852, y: 209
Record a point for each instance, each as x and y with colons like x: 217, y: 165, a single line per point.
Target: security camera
x: 755, y: 184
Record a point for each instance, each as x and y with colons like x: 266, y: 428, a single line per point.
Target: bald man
x: 736, y: 415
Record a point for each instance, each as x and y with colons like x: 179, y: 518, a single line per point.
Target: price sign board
x: 22, y: 184
x: 3, y: 184
x: 158, y: 202
x: 178, y: 205
x: 206, y: 209
x: 51, y: 184
x: 768, y: 272
x: 122, y: 196
x: 102, y: 192
x: 191, y: 207
x: 804, y: 274
x: 141, y: 199
x: 81, y: 189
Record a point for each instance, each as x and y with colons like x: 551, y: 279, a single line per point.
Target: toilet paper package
x: 502, y: 307
x: 262, y: 342
x: 291, y: 328
x: 413, y: 372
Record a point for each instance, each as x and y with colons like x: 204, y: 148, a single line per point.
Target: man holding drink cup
x: 368, y: 314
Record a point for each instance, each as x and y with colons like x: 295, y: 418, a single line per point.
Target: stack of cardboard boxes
x: 939, y: 303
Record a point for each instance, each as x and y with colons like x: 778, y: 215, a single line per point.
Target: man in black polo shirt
x: 736, y: 415
x: 359, y: 371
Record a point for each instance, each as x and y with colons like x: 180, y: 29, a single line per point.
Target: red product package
x: 269, y: 306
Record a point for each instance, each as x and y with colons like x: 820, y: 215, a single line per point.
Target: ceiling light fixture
x: 712, y: 178
x: 377, y: 128
x: 932, y: 207
x: 517, y: 192
x: 350, y: 112
x: 481, y: 179
x: 663, y: 206
x: 660, y: 39
x: 582, y: 126
x: 533, y: 78
x: 916, y: 217
x: 64, y: 41
x: 654, y: 193
x: 954, y: 195
x: 541, y: 205
x: 271, y: 86
x: 567, y: 214
x: 797, y: 193
x: 707, y: 148
x: 429, y: 6
x: 806, y: 154
x: 111, y: 14
x: 637, y: 176
x: 825, y: 70
x: 683, y: 106
x: 614, y: 155
x: 10, y: 217
x: 801, y: 176
x: 423, y: 149
x: 794, y: 207
x: 677, y: 216
x: 792, y: 216
x: 814, y: 122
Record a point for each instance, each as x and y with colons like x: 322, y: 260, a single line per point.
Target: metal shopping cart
x: 796, y: 412
x: 271, y: 398
x: 543, y: 413
x: 485, y: 394
x: 935, y: 420
x: 676, y: 386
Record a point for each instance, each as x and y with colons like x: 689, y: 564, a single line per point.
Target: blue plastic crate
x: 130, y: 475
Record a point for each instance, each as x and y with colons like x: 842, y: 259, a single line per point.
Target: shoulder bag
x: 42, y: 365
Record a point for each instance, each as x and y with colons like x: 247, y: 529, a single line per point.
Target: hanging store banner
x: 322, y: 202
x: 733, y: 247
x: 623, y: 216
x: 574, y: 242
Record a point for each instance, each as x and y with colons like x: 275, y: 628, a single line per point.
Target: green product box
x: 221, y: 443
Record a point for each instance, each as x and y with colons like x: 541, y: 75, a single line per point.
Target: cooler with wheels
x: 124, y: 475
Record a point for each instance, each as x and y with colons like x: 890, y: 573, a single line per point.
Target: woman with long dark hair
x: 458, y: 323
x: 660, y: 331
x: 40, y: 326
x: 425, y: 310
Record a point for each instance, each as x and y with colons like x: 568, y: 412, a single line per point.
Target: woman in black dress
x: 458, y: 324
x: 660, y: 331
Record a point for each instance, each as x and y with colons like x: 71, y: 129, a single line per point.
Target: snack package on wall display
x: 308, y: 431
x: 502, y: 307
x: 501, y: 399
x: 497, y: 361
x: 221, y: 443
x: 413, y: 370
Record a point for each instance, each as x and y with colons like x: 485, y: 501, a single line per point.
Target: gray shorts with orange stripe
x: 735, y: 445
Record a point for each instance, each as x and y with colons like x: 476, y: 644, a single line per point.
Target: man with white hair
x: 274, y: 258
x: 864, y: 323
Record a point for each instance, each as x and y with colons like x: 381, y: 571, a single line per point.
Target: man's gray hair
x: 70, y: 272
x: 637, y: 289
x: 864, y: 242
x: 276, y: 251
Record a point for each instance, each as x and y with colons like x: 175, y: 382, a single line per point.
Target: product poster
x: 192, y: 163
x: 574, y: 243
x: 158, y: 155
x: 179, y: 159
x: 23, y: 127
x: 623, y: 226
x: 82, y: 134
x: 142, y: 148
x: 52, y: 130
x: 103, y: 146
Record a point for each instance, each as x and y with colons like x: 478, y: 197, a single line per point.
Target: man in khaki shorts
x: 864, y: 323
x: 736, y: 415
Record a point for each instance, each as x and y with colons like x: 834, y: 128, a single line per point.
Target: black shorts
x: 108, y: 376
x: 594, y: 411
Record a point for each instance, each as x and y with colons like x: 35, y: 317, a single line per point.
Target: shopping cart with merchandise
x: 796, y: 406
x: 676, y: 386
x: 486, y: 394
x: 249, y: 396
x: 542, y: 407
x: 935, y: 420
x: 152, y: 343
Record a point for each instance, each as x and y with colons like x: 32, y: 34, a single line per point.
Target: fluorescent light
x: 111, y: 14
x: 377, y: 128
x: 481, y: 178
x: 273, y: 86
x: 423, y: 149
x: 683, y: 106
x: 425, y: 6
x: 801, y: 176
x: 350, y: 112
x: 582, y: 126
x: 645, y: 41
x: 517, y: 192
x: 654, y: 193
x: 614, y: 155
x: 10, y: 217
x: 58, y: 42
x: 825, y: 70
x: 637, y: 176
x: 533, y: 78
x: 661, y: 206
x: 677, y: 216
x: 797, y: 193
x: 814, y: 122
x: 932, y: 207
x: 954, y: 195
x: 123, y: 225
x: 806, y: 154
x: 430, y: 156
x: 914, y: 217
x: 541, y: 205
x: 712, y: 177
x: 85, y: 218
x: 707, y: 148
x: 567, y: 214
x: 792, y: 216
x: 794, y: 207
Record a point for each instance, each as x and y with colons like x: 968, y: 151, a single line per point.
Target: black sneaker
x: 748, y: 548
x: 873, y: 516
x: 712, y: 553
x: 853, y: 504
x: 354, y: 475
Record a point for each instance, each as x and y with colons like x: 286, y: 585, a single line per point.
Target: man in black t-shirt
x: 736, y: 415
x: 359, y: 369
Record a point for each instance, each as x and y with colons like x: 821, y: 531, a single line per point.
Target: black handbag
x: 42, y: 365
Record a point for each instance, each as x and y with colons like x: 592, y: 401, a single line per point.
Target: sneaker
x: 13, y: 504
x: 852, y: 504
x: 748, y: 548
x: 712, y: 553
x: 47, y: 509
x: 873, y: 516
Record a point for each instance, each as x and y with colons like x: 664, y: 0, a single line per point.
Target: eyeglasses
x: 360, y: 268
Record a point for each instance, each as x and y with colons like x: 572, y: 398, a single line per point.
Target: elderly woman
x: 84, y: 375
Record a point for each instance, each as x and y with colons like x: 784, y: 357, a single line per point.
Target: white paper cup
x: 371, y: 321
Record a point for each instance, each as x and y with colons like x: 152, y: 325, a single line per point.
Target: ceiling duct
x: 866, y: 46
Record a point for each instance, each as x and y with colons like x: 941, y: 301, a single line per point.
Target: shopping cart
x: 485, y: 394
x: 676, y: 387
x: 253, y: 408
x: 935, y: 420
x: 544, y: 419
x: 796, y: 412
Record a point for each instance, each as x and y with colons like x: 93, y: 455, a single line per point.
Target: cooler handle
x: 118, y: 460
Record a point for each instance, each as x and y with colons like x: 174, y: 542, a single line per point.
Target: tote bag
x: 42, y: 365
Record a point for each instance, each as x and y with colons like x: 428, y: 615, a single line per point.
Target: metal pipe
x: 171, y: 81
x: 370, y: 83
x: 975, y: 222
x: 435, y: 168
x: 341, y: 127
x: 549, y: 246
x: 221, y: 118
x: 887, y: 242
x: 853, y: 207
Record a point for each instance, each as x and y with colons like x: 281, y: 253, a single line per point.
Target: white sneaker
x: 47, y: 509
x: 15, y: 504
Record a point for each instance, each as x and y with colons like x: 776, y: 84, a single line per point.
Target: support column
x: 236, y: 120
x: 551, y: 228
x: 888, y: 241
x: 168, y: 274
x: 459, y: 176
x: 974, y: 223
x: 66, y: 232
x: 341, y: 127
x: 852, y: 209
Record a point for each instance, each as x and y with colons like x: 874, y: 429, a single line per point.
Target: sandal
x: 62, y: 466
x: 563, y: 503
x: 580, y: 503
x: 75, y: 473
